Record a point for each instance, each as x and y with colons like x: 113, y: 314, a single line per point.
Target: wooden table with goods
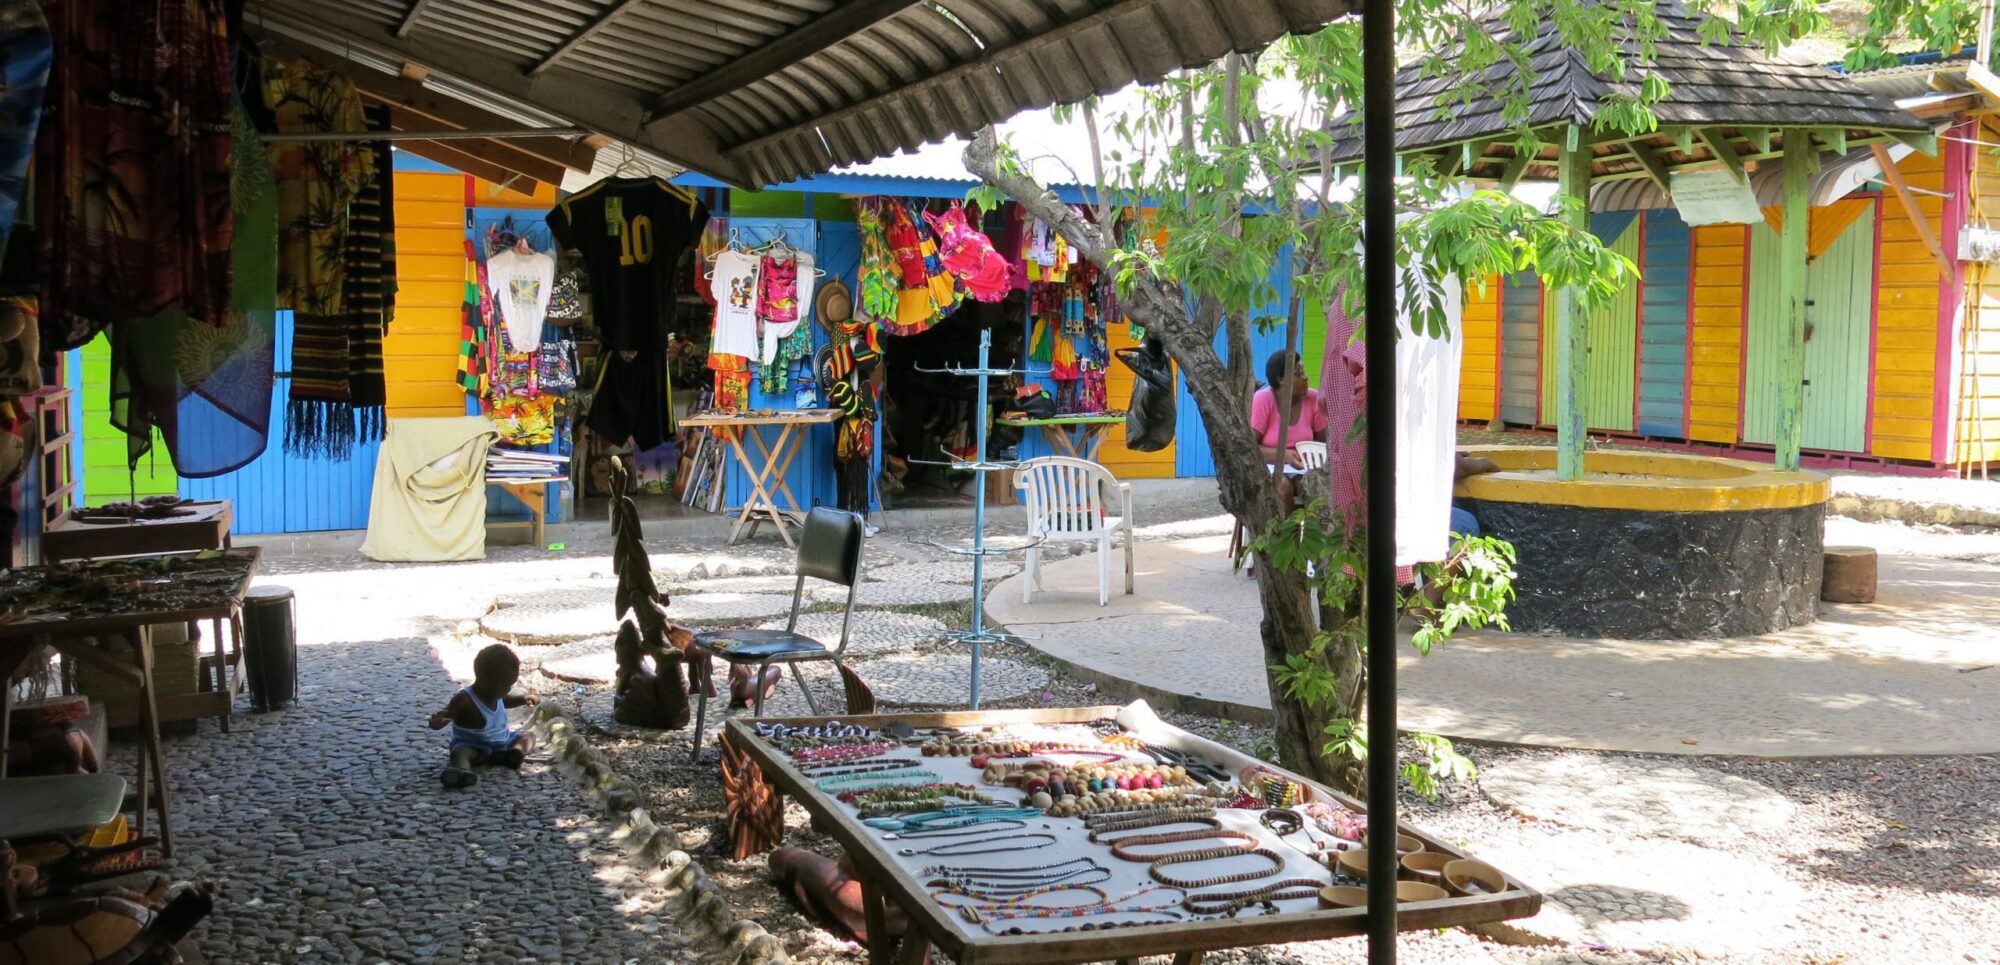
x: 1143, y: 905
x: 767, y: 469
x: 534, y: 494
x: 90, y: 533
x: 1089, y: 430
x: 70, y: 607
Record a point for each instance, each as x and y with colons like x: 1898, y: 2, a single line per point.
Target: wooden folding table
x: 206, y: 527
x: 534, y: 494
x: 767, y: 470
x: 72, y: 628
x: 1090, y: 428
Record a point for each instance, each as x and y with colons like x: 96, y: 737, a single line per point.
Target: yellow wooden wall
x: 421, y: 354
x: 1975, y: 406
x: 1479, y: 366
x: 1907, y: 321
x: 1721, y: 253
x: 1118, y: 379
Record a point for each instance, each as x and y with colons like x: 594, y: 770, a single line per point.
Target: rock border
x: 655, y: 850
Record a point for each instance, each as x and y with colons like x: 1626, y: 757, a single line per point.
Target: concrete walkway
x: 1917, y: 672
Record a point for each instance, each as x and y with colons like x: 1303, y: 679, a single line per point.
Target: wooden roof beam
x: 1901, y: 186
x: 804, y: 41
x: 1718, y: 145
x: 1654, y: 167
x: 1925, y: 143
x: 582, y: 34
x: 1761, y: 137
x: 1835, y: 138
x: 410, y: 19
x: 1516, y: 166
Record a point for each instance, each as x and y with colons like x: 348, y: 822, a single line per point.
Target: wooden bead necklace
x: 1101, y: 824
x: 1169, y: 918
x: 1122, y: 848
x: 1231, y: 902
x: 835, y: 770
x: 1210, y: 854
x: 955, y: 849
x: 841, y: 753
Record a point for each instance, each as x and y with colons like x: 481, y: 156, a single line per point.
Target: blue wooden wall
x: 282, y: 493
x: 1663, y: 324
x: 836, y: 249
x: 1192, y: 456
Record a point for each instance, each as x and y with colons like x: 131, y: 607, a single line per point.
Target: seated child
x: 478, y: 718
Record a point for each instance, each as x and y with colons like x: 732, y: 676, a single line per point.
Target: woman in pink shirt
x: 1283, y: 371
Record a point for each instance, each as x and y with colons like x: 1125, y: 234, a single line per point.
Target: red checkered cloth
x: 1343, y: 387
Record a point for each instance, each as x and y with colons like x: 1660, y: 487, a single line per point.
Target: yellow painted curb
x: 1654, y: 482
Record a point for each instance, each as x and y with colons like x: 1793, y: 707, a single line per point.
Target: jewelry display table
x: 69, y: 610
x: 1184, y: 907
x: 206, y: 527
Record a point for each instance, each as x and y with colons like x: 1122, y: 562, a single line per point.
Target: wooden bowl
x: 1405, y: 843
x: 1418, y: 891
x: 1426, y: 866
x: 1353, y: 864
x: 1343, y: 896
x: 1468, y: 877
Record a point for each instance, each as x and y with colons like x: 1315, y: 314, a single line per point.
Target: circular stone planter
x: 1654, y: 545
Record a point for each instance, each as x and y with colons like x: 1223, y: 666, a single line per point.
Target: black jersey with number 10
x: 631, y: 232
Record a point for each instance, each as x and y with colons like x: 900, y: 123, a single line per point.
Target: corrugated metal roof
x: 765, y: 91
x: 1712, y: 85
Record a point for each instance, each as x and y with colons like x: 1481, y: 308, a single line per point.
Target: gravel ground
x: 331, y: 842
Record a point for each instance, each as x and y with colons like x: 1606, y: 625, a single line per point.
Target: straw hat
x: 833, y: 304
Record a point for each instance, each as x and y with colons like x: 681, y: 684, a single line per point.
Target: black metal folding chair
x: 830, y: 550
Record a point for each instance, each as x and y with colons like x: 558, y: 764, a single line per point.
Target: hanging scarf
x: 907, y: 247
x: 943, y: 287
x: 319, y: 185
x: 472, y: 372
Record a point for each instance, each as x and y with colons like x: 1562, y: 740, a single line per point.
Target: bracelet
x: 1290, y: 820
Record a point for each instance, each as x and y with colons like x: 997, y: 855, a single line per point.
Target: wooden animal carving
x: 860, y: 700
x: 755, y: 810
x: 648, y: 697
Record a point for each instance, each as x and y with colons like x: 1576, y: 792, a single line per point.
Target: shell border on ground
x: 655, y: 850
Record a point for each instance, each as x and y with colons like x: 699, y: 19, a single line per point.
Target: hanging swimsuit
x: 489, y: 738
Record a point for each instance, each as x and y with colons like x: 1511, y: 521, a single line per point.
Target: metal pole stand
x: 979, y: 636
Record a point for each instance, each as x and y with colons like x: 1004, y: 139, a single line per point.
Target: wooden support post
x: 1572, y: 361
x: 1792, y: 292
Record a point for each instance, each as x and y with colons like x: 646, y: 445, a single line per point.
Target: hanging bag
x: 1149, y: 418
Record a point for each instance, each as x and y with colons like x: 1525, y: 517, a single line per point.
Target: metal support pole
x: 1792, y: 285
x: 1378, y: 191
x: 1572, y: 348
x: 984, y: 408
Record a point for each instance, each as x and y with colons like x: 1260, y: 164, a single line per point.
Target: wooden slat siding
x: 1762, y: 353
x: 105, y: 476
x: 1907, y: 320
x: 1663, y: 349
x: 1612, y: 336
x: 420, y: 356
x: 1478, y: 371
x: 1118, y: 379
x: 1720, y: 260
x: 1521, y: 348
x: 1192, y: 456
x: 1975, y: 409
x: 1840, y: 287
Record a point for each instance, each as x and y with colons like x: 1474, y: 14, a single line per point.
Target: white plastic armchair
x: 1312, y: 455
x: 1066, y: 503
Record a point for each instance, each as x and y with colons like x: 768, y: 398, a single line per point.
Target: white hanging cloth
x: 1427, y: 431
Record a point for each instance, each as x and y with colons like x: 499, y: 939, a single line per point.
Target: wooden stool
x: 1850, y: 575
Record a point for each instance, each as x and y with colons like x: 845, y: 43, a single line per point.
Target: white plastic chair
x: 1312, y: 454
x: 1065, y: 499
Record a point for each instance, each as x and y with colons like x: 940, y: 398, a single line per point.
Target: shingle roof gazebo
x: 1730, y: 107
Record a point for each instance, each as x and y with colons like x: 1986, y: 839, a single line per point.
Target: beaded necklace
x: 949, y: 818
x: 841, y: 753
x: 1017, y: 880
x: 1121, y: 849
x: 1231, y: 902
x: 1097, y: 835
x: 1007, y: 911
x: 1169, y: 919
x: 834, y: 770
x: 885, y: 779
x: 975, y: 909
x: 951, y: 849
x: 1210, y: 854
x: 960, y: 831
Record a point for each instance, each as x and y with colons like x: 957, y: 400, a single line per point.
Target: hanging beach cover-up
x: 881, y: 295
x: 133, y: 210
x: 969, y: 255
x: 944, y: 287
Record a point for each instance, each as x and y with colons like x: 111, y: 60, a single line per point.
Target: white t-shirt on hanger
x: 734, y: 283
x: 522, y: 285
x: 1427, y: 432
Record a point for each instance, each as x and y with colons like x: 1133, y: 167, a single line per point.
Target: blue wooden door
x: 1663, y: 330
x: 1192, y: 454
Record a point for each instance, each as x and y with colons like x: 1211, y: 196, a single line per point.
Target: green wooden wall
x: 105, y: 478
x: 1840, y: 292
x: 1612, y: 336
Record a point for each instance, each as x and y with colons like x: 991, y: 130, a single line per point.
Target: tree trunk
x: 1248, y: 491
